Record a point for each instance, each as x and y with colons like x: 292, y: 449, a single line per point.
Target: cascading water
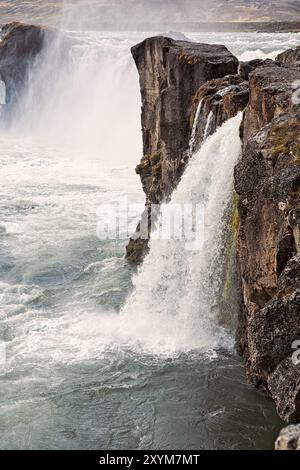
x: 81, y: 92
x: 84, y: 367
x: 176, y: 289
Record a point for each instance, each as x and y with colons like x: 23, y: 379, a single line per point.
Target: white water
x: 87, y: 102
x: 76, y: 375
x: 195, y: 127
x: 176, y: 289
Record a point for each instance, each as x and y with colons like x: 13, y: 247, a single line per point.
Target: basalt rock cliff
x: 267, y: 181
x: 171, y: 73
x: 21, y: 48
x: 188, y: 90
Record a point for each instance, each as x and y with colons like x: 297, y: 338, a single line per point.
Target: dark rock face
x: 171, y: 72
x: 221, y: 99
x: 289, y: 438
x: 290, y: 57
x: 270, y: 94
x: 267, y: 180
x: 189, y: 86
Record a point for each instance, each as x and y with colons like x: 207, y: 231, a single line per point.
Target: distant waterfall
x: 81, y: 94
x: 173, y: 304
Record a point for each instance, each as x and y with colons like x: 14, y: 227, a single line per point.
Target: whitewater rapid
x: 98, y: 355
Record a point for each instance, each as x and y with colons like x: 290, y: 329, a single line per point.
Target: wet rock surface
x: 289, y: 438
x: 267, y: 181
x: 20, y: 45
x: 22, y: 48
x: 171, y: 72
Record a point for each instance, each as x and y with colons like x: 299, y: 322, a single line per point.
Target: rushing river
x: 91, y: 356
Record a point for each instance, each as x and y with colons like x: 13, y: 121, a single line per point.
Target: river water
x: 92, y: 354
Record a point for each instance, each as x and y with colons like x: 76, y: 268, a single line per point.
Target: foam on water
x: 78, y: 333
x: 176, y: 289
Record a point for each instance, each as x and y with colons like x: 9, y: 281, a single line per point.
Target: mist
x: 145, y: 14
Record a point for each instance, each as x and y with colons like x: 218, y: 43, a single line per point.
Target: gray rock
x: 289, y: 438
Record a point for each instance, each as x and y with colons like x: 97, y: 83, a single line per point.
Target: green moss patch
x: 285, y: 140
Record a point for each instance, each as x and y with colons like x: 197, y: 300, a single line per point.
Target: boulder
x: 221, y: 99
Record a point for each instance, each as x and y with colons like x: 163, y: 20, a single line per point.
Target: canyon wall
x: 171, y: 73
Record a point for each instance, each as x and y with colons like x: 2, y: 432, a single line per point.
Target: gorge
x: 163, y: 344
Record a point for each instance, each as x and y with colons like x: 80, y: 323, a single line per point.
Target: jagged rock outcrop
x: 289, y: 57
x: 289, y: 438
x: 171, y: 72
x: 271, y: 93
x: 267, y: 181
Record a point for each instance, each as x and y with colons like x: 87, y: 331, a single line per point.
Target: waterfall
x: 208, y: 127
x: 80, y: 93
x: 173, y: 305
x: 90, y: 103
x: 194, y: 128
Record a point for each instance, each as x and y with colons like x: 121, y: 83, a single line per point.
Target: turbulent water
x: 95, y: 355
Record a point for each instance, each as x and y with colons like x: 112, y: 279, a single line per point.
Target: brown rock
x: 289, y: 57
x: 270, y: 94
x: 170, y: 73
x: 289, y: 438
x: 245, y: 68
x: 221, y: 99
x: 267, y: 180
